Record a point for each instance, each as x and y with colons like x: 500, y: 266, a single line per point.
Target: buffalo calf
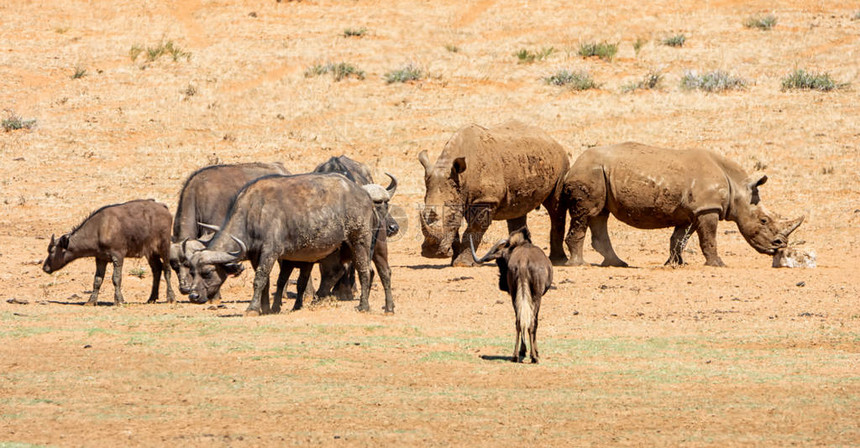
x: 525, y: 273
x: 134, y: 229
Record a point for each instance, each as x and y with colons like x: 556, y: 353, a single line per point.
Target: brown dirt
x: 693, y: 356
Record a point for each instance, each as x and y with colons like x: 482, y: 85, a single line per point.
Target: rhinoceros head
x: 764, y: 231
x: 443, y: 206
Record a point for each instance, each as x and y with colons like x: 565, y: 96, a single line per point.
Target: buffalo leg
x: 165, y: 269
x: 677, y: 244
x: 380, y: 260
x: 261, y: 284
x: 117, y: 279
x: 600, y: 240
x: 154, y: 266
x: 706, y: 229
x: 302, y: 284
x: 101, y: 267
x: 284, y: 271
x: 362, y: 266
x: 331, y: 272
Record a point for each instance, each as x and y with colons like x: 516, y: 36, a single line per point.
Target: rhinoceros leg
x: 677, y: 244
x: 574, y: 240
x: 600, y: 240
x: 707, y: 230
x: 474, y: 230
x: 557, y: 221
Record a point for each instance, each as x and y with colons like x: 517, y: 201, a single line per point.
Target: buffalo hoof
x: 252, y: 313
x: 389, y: 312
x: 559, y: 261
x: 150, y: 301
x: 90, y: 303
x: 363, y: 308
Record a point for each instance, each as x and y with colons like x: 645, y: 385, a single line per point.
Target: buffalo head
x: 58, y: 254
x: 443, y: 206
x: 765, y: 232
x: 380, y: 197
x: 208, y: 269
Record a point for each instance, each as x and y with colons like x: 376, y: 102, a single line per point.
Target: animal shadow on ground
x: 427, y: 266
x: 496, y: 358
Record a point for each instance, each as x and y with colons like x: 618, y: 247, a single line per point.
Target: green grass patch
x: 137, y: 272
x: 713, y: 81
x: 638, y: 44
x: 339, y: 71
x: 14, y: 122
x: 763, y: 22
x: 804, y: 80
x: 452, y: 48
x: 527, y: 57
x: 163, y: 48
x: 446, y: 356
x: 650, y: 81
x: 407, y: 73
x: 79, y: 72
x: 574, y: 80
x: 355, y: 32
x: 677, y: 41
x: 604, y: 50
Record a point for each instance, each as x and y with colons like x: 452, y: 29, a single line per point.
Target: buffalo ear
x: 233, y: 269
x: 459, y: 165
x: 64, y: 242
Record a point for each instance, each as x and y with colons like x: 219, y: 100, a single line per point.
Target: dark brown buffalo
x: 360, y: 174
x: 526, y: 274
x: 135, y: 229
x: 298, y: 219
x: 205, y: 198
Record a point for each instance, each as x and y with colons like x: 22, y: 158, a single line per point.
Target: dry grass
x: 803, y: 80
x: 713, y: 81
x: 603, y: 50
x: 677, y: 41
x: 763, y: 22
x: 339, y: 71
x: 650, y: 81
x: 14, y: 122
x: 572, y: 79
x: 409, y: 72
x: 527, y: 56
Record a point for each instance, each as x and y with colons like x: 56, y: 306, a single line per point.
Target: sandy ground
x: 740, y: 356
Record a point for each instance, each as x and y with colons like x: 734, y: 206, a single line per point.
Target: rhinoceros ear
x: 752, y: 184
x: 459, y: 165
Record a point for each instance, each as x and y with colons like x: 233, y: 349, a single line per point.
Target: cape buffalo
x: 205, y: 198
x: 299, y: 219
x: 134, y: 229
x: 650, y: 188
x: 482, y: 175
x: 360, y: 174
x: 526, y: 274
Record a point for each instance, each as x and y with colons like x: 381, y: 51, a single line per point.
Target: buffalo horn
x: 425, y: 161
x: 209, y: 226
x: 242, y: 247
x: 392, y: 187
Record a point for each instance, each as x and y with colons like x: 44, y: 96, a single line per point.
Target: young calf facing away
x: 525, y: 273
x: 134, y: 229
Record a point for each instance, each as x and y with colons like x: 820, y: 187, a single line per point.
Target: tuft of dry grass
x: 764, y: 23
x: 409, y: 72
x: 651, y: 81
x: 676, y: 41
x: 355, y: 32
x: 604, y: 50
x: 339, y: 70
x: 527, y: 57
x: 79, y: 73
x: 804, y: 80
x: 574, y: 80
x: 14, y: 122
x: 638, y: 44
x: 714, y: 81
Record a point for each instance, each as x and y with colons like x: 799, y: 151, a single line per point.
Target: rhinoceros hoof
x: 559, y: 261
x: 573, y: 262
x: 462, y: 262
x: 614, y: 264
x: 363, y: 308
x: 252, y: 313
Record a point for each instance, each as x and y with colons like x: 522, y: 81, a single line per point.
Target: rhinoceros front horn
x: 392, y: 187
x: 425, y: 161
x: 791, y: 226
